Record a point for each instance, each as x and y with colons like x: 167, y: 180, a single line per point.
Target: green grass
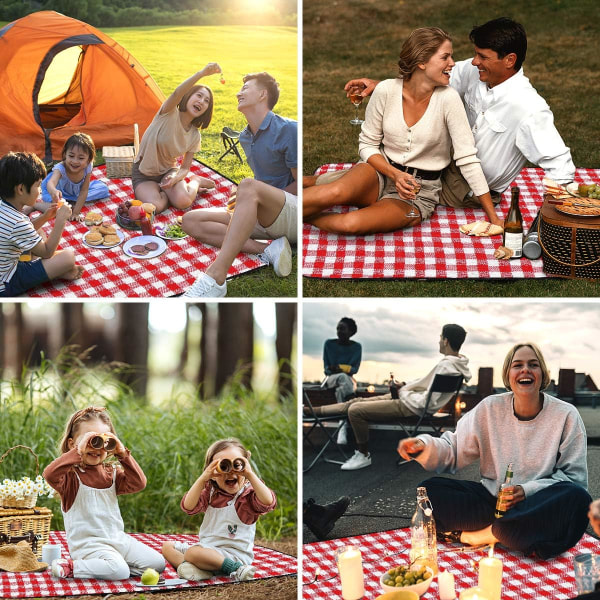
x: 561, y: 63
x: 168, y: 441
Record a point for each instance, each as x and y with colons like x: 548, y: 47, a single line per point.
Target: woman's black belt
x: 422, y: 173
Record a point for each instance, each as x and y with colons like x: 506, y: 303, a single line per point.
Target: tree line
x: 226, y: 342
x: 129, y: 13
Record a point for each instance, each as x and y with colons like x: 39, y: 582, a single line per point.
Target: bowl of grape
x: 415, y: 579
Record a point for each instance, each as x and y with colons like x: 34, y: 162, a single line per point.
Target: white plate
x: 141, y: 240
x: 165, y: 583
x: 573, y: 188
x: 160, y: 232
x: 102, y: 246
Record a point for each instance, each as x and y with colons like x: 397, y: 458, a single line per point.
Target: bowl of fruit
x: 414, y: 579
x: 130, y: 212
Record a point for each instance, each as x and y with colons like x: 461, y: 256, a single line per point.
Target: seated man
x: 413, y: 396
x: 264, y: 207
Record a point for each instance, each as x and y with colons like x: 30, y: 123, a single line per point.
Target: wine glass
x: 356, y: 99
x: 416, y: 189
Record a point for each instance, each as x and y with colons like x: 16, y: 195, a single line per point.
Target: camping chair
x: 230, y: 139
x: 314, y: 421
x: 444, y: 384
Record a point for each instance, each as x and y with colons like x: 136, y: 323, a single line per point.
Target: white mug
x: 50, y: 552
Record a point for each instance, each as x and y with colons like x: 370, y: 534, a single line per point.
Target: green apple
x: 150, y: 577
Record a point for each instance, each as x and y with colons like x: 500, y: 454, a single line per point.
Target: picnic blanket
x: 111, y: 273
x: 268, y: 563
x: 523, y: 578
x: 435, y: 249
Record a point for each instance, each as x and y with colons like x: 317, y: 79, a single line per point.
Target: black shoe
x: 451, y: 537
x: 321, y: 519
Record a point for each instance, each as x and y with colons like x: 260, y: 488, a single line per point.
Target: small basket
x: 119, y: 161
x: 27, y: 501
x: 29, y: 524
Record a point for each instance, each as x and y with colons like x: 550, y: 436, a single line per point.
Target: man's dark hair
x: 455, y: 335
x: 351, y: 324
x: 503, y: 36
x: 266, y: 81
x: 18, y: 168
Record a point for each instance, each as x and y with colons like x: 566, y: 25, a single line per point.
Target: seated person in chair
x: 413, y: 396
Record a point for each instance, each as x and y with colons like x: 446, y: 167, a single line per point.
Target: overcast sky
x: 402, y: 334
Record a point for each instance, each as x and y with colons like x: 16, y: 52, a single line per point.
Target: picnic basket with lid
x: 119, y: 159
x: 20, y: 519
x: 570, y: 244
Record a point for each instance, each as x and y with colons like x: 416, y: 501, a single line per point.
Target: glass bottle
x: 423, y: 543
x: 393, y: 387
x: 146, y: 225
x: 513, y: 226
x: 501, y: 502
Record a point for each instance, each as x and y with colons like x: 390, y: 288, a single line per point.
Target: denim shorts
x: 28, y: 275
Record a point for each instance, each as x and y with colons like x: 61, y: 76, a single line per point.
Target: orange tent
x: 59, y: 76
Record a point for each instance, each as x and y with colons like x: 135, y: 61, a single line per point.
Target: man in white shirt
x: 510, y: 121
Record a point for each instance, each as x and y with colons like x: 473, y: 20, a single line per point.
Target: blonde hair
x: 91, y: 413
x: 509, y: 358
x: 220, y: 445
x: 420, y: 46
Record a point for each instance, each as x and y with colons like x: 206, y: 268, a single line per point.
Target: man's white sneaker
x: 206, y: 287
x: 243, y: 573
x: 342, y: 436
x: 358, y: 461
x: 279, y: 254
x: 186, y: 570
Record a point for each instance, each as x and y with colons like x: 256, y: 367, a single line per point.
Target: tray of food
x: 103, y: 237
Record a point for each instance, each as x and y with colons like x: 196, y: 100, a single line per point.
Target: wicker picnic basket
x: 570, y: 244
x: 21, y: 520
x: 119, y: 159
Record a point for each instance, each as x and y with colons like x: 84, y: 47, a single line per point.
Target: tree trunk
x: 208, y: 340
x: 2, y: 341
x: 185, y: 349
x: 72, y: 325
x: 235, y: 344
x: 132, y: 346
x: 286, y: 322
x: 21, y: 334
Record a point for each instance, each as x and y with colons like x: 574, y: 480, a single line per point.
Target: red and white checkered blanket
x: 112, y: 274
x: 268, y: 563
x: 523, y: 578
x: 434, y: 250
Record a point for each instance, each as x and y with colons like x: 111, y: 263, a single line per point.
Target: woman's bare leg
x: 149, y: 191
x: 389, y: 214
x: 358, y: 187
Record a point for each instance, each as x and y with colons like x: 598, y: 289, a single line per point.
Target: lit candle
x: 446, y: 586
x: 349, y: 563
x: 490, y: 576
x: 474, y: 593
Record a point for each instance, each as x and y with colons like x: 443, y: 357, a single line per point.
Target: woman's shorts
x: 286, y: 223
x: 138, y: 177
x: 28, y: 275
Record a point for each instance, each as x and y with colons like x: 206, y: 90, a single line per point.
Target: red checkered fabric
x: 112, y: 274
x: 434, y: 250
x: 523, y: 578
x: 268, y: 563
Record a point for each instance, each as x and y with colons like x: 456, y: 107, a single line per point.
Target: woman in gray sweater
x: 543, y: 437
x: 414, y: 125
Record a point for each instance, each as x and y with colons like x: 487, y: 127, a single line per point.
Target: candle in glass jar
x: 446, y: 586
x: 349, y: 562
x: 490, y: 576
x: 474, y: 593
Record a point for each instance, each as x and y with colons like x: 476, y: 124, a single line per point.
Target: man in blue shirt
x: 266, y: 205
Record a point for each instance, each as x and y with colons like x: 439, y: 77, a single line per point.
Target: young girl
x: 172, y: 133
x: 88, y: 490
x: 71, y: 179
x: 232, y: 502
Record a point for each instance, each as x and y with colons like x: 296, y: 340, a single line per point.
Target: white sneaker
x: 186, y: 570
x: 342, y: 436
x: 243, y: 573
x: 279, y: 254
x: 358, y: 461
x: 206, y: 287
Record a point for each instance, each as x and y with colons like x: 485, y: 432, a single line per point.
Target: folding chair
x: 314, y: 422
x: 230, y: 139
x: 444, y: 384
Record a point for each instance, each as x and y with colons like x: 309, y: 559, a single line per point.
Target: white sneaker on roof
x: 243, y: 573
x: 357, y: 461
x: 206, y: 287
x: 279, y: 254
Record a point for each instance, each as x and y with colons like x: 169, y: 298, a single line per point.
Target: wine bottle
x: 423, y: 543
x: 513, y: 226
x: 393, y: 387
x: 501, y: 502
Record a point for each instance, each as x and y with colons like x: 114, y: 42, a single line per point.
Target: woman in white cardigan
x: 414, y: 125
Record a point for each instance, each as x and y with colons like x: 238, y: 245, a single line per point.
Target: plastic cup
x: 587, y: 572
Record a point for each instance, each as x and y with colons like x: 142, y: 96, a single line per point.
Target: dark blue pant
x: 545, y: 524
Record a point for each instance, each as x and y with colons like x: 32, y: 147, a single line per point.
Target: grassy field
x: 364, y: 40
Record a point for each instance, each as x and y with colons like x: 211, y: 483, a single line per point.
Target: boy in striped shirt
x: 21, y: 174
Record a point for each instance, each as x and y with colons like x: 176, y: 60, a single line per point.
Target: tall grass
x: 168, y: 442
